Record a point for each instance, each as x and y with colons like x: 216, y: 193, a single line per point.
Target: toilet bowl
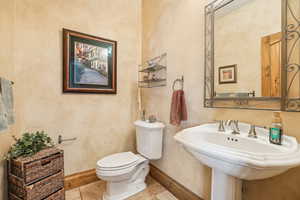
x: 125, y: 172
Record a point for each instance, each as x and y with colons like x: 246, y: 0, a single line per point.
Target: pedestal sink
x: 236, y: 157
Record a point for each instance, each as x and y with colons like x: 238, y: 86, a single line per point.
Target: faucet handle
x: 221, y: 125
x: 235, y: 126
x: 252, y: 132
x: 236, y: 123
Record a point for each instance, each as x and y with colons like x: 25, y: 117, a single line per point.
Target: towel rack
x: 61, y: 140
x: 11, y: 82
x: 179, y: 80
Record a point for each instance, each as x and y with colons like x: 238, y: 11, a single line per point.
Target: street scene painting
x: 89, y: 63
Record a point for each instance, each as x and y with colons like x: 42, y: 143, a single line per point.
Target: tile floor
x: 94, y: 191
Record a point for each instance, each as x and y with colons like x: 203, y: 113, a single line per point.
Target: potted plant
x: 29, y: 144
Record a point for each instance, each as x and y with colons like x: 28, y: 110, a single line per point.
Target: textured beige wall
x: 31, y: 55
x: 177, y: 27
x: 6, y: 71
x: 238, y: 33
x: 102, y: 123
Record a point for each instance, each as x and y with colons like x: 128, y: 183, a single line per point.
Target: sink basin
x: 236, y: 157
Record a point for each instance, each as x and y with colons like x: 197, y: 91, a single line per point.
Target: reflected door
x: 271, y: 65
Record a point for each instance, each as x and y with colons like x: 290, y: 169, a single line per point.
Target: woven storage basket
x: 42, y: 164
x: 59, y: 195
x: 38, y: 190
x: 37, y: 177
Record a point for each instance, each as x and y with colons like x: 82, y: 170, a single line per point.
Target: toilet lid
x: 118, y: 160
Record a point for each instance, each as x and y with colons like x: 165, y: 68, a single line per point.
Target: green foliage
x: 29, y: 144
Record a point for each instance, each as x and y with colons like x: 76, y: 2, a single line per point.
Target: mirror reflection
x: 247, y: 49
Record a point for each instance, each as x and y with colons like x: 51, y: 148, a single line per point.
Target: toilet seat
x: 118, y: 161
x: 110, y: 173
x: 118, y: 168
x: 119, y: 164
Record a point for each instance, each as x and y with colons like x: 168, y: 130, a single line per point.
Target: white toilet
x: 125, y: 172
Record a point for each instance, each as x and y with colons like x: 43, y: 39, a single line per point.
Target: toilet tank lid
x: 147, y: 124
x: 118, y: 160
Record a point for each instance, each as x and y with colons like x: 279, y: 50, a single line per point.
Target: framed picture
x: 227, y: 74
x: 89, y: 63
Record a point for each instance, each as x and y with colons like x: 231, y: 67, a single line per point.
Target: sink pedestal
x: 225, y: 187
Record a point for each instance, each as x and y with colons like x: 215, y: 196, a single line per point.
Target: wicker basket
x: 59, y: 195
x: 37, y: 190
x: 42, y: 164
x: 38, y: 177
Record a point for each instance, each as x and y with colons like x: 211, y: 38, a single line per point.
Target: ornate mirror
x: 292, y: 56
x: 251, y: 54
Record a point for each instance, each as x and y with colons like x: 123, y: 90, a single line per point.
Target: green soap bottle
x: 276, y: 129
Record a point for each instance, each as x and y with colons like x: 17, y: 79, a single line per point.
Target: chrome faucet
x: 234, y: 126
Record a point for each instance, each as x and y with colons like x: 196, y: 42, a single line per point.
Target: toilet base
x: 132, y: 190
x: 127, y: 188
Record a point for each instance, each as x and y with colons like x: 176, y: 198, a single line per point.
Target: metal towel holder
x: 180, y: 80
x: 11, y: 82
x: 61, y: 140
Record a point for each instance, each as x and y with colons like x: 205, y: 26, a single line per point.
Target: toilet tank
x: 149, y: 139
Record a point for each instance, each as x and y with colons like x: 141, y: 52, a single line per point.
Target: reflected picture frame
x: 228, y: 74
x: 89, y: 63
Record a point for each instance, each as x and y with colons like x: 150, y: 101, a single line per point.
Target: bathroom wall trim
x: 178, y: 190
x: 79, y: 179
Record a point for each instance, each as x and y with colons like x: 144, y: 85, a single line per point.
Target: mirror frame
x: 253, y: 103
x: 291, y: 28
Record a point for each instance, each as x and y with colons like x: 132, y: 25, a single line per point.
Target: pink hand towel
x: 178, y: 108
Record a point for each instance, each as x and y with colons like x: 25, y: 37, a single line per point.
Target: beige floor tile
x: 73, y: 194
x: 153, y: 188
x: 166, y: 195
x: 93, y: 191
x: 144, y: 195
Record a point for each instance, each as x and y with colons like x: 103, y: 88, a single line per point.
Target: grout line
x: 80, y: 193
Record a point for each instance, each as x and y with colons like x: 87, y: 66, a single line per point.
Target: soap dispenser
x: 276, y: 129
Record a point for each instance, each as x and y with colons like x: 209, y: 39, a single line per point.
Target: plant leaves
x: 29, y: 144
